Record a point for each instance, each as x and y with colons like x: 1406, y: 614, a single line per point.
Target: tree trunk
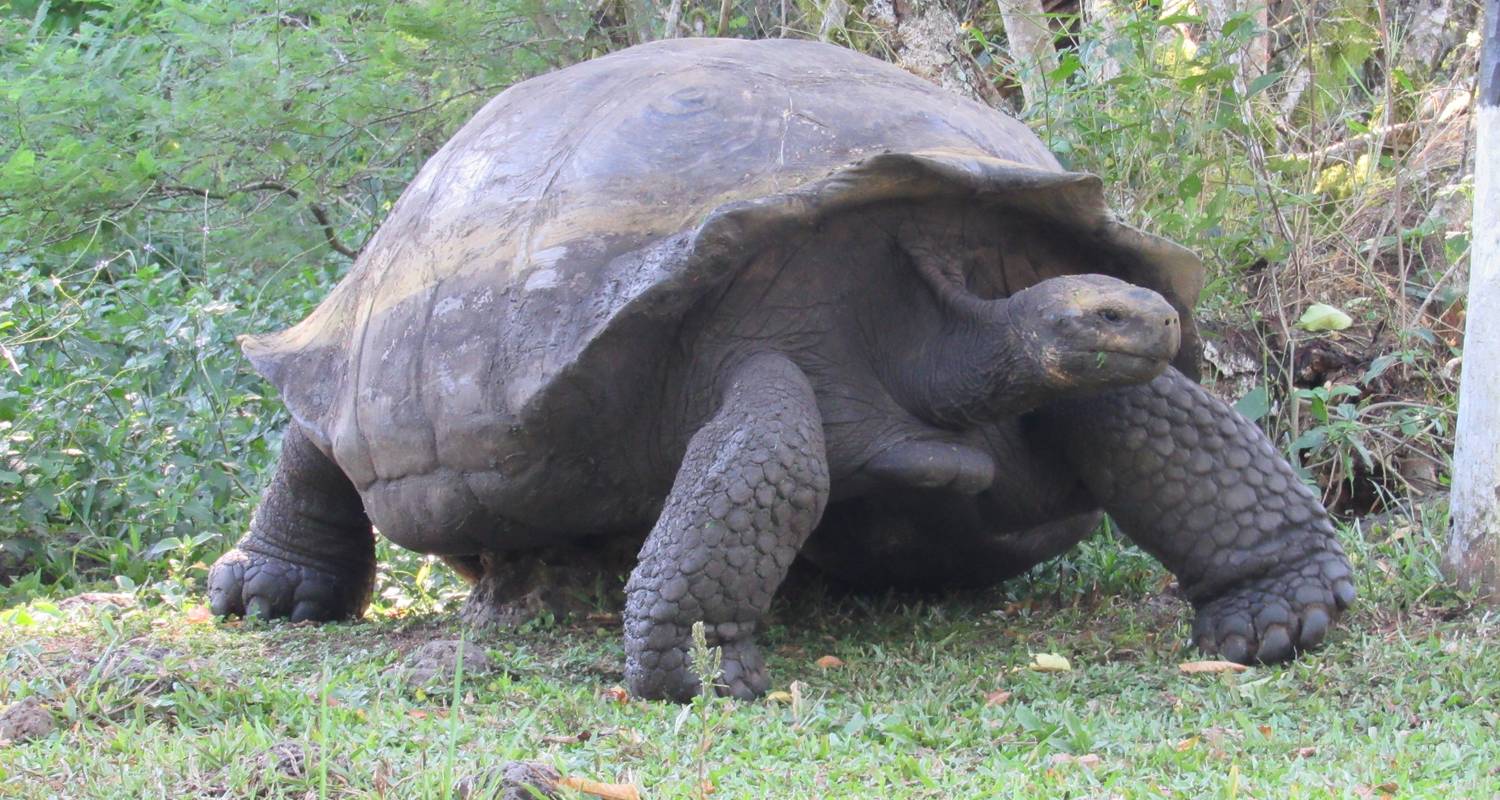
x: 674, y: 19
x: 1030, y: 43
x: 1253, y: 61
x: 1104, y: 14
x: 834, y: 12
x: 1473, y: 557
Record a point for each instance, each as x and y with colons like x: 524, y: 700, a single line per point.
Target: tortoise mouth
x: 1096, y: 367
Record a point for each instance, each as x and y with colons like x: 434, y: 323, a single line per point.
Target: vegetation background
x: 174, y: 173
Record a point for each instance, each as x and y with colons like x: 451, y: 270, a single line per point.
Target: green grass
x: 1403, y: 699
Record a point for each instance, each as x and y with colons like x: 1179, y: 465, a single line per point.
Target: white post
x: 1473, y: 557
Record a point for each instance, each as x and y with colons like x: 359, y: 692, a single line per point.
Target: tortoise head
x: 1067, y: 336
x: 1087, y: 333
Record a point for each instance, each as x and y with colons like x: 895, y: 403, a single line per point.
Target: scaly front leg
x: 751, y: 487
x: 1201, y: 488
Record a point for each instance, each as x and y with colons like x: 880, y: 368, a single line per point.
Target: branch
x: 319, y: 213
x: 1360, y: 142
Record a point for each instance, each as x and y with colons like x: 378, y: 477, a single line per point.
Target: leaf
x: 145, y: 166
x: 1049, y: 662
x: 1210, y: 667
x: 1262, y: 83
x: 1324, y: 317
x: 1067, y: 65
x: 1190, y: 186
x: 997, y: 698
x: 200, y: 615
x: 1187, y: 744
x: 1087, y: 761
x: 617, y: 694
x: 829, y: 662
x: 1305, y: 752
x: 779, y: 697
x: 22, y: 163
x: 1255, y: 404
x: 608, y: 791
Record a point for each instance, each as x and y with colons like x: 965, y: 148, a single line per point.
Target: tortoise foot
x: 744, y: 675
x: 668, y: 674
x: 253, y: 584
x: 1276, y: 617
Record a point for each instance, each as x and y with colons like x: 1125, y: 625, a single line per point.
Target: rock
x: 26, y: 720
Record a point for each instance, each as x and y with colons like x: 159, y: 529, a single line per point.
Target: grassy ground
x: 159, y: 700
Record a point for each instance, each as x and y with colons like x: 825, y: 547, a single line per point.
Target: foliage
x: 1331, y: 177
x: 174, y: 174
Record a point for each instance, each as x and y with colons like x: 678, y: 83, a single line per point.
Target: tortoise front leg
x: 751, y: 487
x: 1201, y: 488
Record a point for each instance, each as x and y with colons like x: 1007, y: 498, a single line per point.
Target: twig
x: 319, y: 213
x: 1360, y: 142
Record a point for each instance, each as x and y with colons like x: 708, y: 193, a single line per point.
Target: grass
x: 156, y: 700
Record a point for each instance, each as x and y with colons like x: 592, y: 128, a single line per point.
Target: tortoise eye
x: 1110, y: 315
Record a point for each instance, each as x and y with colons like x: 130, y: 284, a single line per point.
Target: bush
x: 176, y: 174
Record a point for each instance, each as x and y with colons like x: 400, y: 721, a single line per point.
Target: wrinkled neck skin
x: 979, y: 367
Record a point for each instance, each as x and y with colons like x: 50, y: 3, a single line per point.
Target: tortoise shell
x: 581, y: 210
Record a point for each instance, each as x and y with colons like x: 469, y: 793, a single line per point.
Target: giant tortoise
x: 713, y: 292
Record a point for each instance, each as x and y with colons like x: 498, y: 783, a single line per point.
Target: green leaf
x: 1309, y: 440
x: 1069, y: 65
x: 1190, y: 186
x: 145, y: 166
x: 1255, y: 404
x: 21, y: 164
x: 1323, y: 317
x: 1262, y: 83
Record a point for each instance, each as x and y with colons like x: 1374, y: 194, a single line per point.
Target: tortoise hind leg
x: 310, y: 552
x: 572, y: 579
x: 752, y: 485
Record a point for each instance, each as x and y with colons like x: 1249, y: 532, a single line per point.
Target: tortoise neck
x: 978, y: 369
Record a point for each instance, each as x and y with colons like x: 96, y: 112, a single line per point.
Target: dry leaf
x: 997, y: 697
x: 1265, y: 730
x: 1305, y: 752
x: 1187, y: 744
x: 330, y: 701
x: 200, y: 615
x: 1196, y: 667
x: 608, y: 791
x: 1088, y: 761
x: 581, y: 736
x: 830, y: 662
x: 1050, y: 662
x: 779, y: 697
x: 617, y: 694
